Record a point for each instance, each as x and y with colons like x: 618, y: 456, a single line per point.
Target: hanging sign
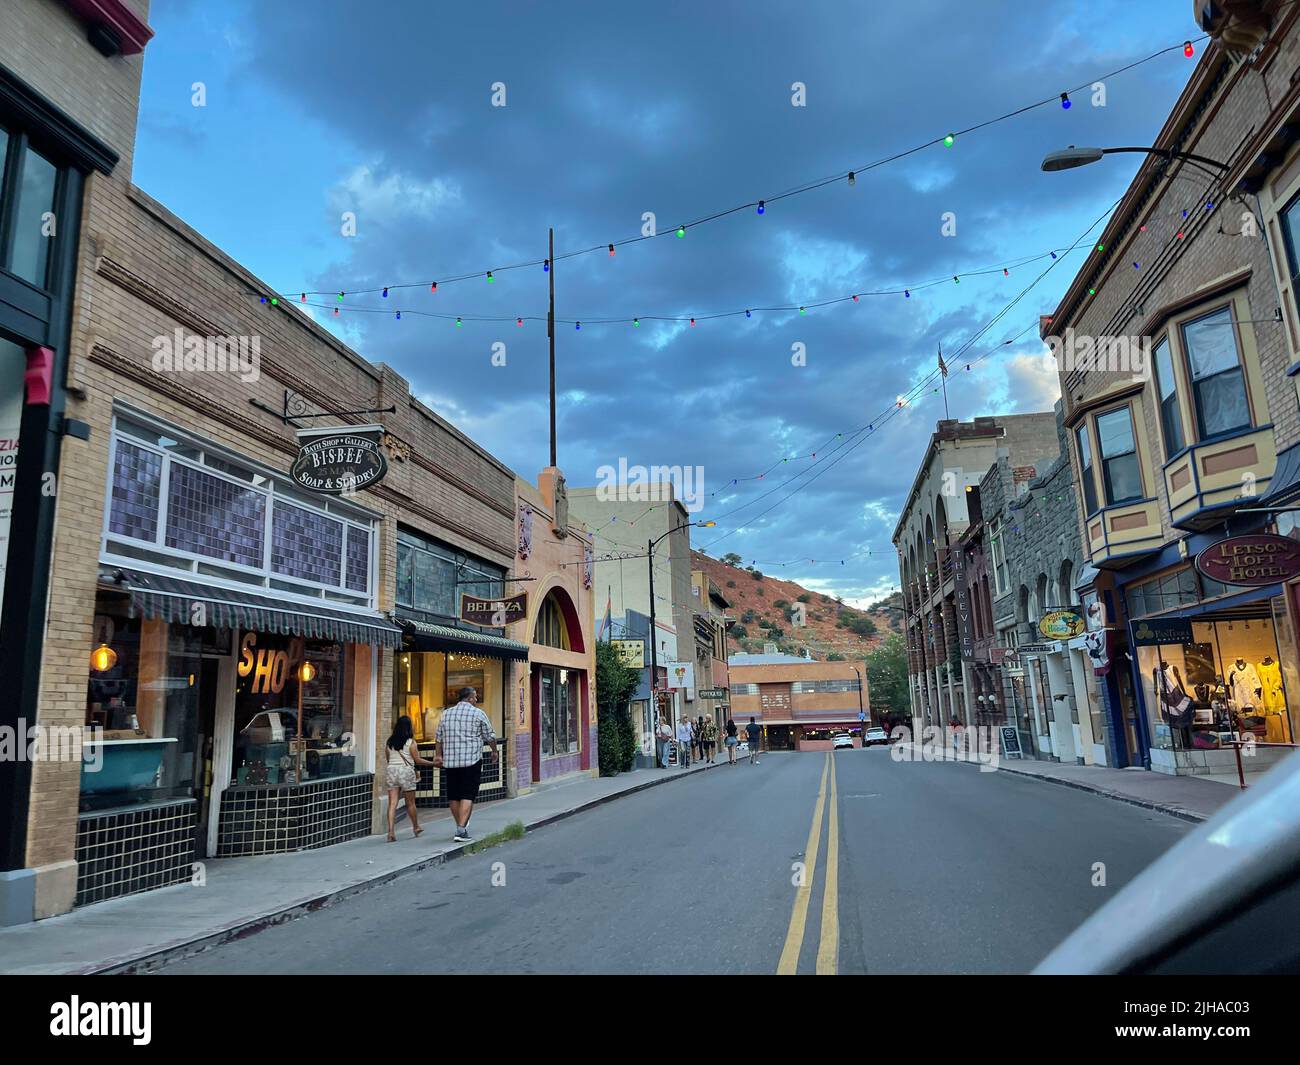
x: 681, y: 674
x: 1155, y: 631
x: 631, y: 652
x: 495, y: 613
x: 340, y: 459
x: 1251, y: 560
x: 1061, y: 625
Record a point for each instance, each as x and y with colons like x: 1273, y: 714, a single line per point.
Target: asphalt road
x: 906, y: 868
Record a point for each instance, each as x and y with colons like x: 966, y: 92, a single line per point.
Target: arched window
x: 551, y: 629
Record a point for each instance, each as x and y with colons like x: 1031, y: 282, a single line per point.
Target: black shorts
x: 463, y: 781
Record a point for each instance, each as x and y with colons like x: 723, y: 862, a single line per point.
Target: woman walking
x: 403, y: 757
x: 731, y: 741
x: 710, y: 738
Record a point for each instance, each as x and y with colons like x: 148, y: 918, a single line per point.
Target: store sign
x: 1161, y: 630
x: 965, y: 635
x: 1000, y: 655
x: 1251, y: 560
x: 336, y: 460
x: 268, y: 667
x: 681, y: 674
x: 711, y: 693
x: 1037, y: 648
x: 1061, y: 625
x: 495, y: 613
x: 630, y: 652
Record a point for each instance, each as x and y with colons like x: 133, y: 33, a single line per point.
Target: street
x: 914, y: 867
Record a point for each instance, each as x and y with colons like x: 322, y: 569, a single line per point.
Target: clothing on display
x: 1176, y: 704
x: 1244, y: 686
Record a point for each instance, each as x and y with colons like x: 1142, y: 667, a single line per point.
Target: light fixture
x: 306, y: 672
x: 103, y: 658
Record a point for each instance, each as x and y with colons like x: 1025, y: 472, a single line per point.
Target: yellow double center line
x: 829, y: 945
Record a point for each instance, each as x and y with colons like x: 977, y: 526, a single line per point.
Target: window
x: 559, y: 711
x: 1171, y: 421
x: 824, y: 687
x: 173, y: 503
x: 1120, y: 472
x: 999, y: 558
x: 30, y: 182
x: 1085, y: 470
x: 431, y: 576
x: 1290, y: 218
x: 1218, y: 382
x: 551, y: 628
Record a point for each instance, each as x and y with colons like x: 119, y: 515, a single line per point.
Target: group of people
x: 698, y: 740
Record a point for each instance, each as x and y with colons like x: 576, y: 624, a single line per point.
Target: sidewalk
x: 242, y: 896
x: 1190, y: 798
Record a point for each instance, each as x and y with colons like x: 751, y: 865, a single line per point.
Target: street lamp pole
x: 654, y: 644
x: 861, y: 710
x: 1073, y: 157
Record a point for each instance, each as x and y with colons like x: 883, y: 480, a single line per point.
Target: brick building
x: 799, y: 703
x: 1195, y: 270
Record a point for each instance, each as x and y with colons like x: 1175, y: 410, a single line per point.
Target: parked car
x: 875, y: 735
x: 841, y: 739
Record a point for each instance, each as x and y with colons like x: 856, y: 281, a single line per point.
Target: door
x: 541, y: 682
x: 1129, y: 707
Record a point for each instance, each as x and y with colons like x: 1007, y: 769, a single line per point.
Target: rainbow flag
x: 605, y: 622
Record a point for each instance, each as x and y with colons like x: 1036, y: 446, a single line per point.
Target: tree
x: 731, y: 559
x: 861, y: 625
x: 804, y: 598
x: 887, y: 676
x: 616, y: 737
x: 835, y: 656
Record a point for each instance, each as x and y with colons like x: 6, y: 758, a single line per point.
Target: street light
x: 1073, y: 157
x: 862, y: 714
x: 654, y: 646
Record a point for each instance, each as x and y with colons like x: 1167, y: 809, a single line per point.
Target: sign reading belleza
x: 334, y: 460
x: 1251, y: 560
x: 493, y: 612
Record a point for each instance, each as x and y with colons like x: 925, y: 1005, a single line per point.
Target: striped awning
x: 427, y: 636
x: 175, y: 599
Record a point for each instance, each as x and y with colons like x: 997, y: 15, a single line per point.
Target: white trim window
x: 999, y: 558
x: 177, y: 503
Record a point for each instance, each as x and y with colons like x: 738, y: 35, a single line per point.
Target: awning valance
x: 1284, y: 486
x: 426, y: 636
x: 174, y: 599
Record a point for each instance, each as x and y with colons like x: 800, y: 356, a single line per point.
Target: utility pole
x: 654, y: 656
x: 550, y: 332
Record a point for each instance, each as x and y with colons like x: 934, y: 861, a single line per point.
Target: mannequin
x: 1174, y: 701
x: 1276, y: 728
x: 1244, y: 686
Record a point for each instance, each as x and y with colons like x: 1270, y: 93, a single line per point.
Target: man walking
x: 683, y: 742
x: 753, y: 731
x: 462, y: 731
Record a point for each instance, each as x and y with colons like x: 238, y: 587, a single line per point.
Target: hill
x: 764, y: 609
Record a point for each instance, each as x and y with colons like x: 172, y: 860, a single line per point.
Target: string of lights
x: 850, y: 176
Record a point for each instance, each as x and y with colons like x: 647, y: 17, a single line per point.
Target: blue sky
x: 385, y: 110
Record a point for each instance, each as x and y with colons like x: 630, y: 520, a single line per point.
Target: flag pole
x: 943, y: 376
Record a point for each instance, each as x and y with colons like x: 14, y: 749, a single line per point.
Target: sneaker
x: 462, y: 836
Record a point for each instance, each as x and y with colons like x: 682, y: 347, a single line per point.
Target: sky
x: 345, y: 146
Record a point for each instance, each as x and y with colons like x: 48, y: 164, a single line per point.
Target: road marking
x: 789, y: 963
x: 828, y: 950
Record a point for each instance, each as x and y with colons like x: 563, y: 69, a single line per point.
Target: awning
x: 1284, y: 487
x: 173, y: 599
x: 426, y: 636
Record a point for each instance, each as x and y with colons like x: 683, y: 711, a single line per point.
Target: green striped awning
x: 427, y: 636
x: 189, y: 602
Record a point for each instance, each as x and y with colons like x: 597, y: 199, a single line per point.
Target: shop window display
x: 269, y: 749
x: 1224, y: 682
x: 142, y: 710
x: 426, y: 683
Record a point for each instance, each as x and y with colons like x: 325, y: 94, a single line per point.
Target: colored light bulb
x: 304, y: 297
x: 275, y: 301
x: 748, y: 315
x: 340, y: 297
x: 458, y: 321
x: 855, y: 298
x: 692, y: 322
x: 1065, y: 101
x: 1006, y: 272
x: 399, y: 316
x: 385, y: 292
x: 761, y: 207
x: 433, y: 287
x: 489, y: 276
x: 853, y: 180
x: 636, y: 321
x: 681, y: 231
x: 907, y: 294
x: 546, y: 265
x: 262, y: 299
x: 611, y: 250
x: 947, y: 141
x: 956, y: 280
x: 1188, y: 50
x: 577, y: 325
x: 336, y: 312
x: 519, y: 322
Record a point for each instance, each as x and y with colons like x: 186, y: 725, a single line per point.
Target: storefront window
x: 427, y: 682
x: 1222, y: 680
x: 559, y: 711
x: 432, y: 576
x: 143, y: 704
x: 27, y: 250
x: 269, y: 749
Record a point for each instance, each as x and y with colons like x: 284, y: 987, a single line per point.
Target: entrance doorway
x: 209, y: 672
x: 779, y: 737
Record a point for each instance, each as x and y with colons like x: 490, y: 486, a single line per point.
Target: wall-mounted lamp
x: 103, y: 658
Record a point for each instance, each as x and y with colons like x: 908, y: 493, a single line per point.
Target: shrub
x: 804, y: 598
x: 731, y: 584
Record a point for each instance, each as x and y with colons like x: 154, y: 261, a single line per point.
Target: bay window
x: 1086, y: 477
x: 1121, y: 474
x: 1171, y: 419
x: 1218, y: 380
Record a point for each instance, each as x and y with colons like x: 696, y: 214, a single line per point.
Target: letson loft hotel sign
x: 336, y: 460
x: 1251, y: 560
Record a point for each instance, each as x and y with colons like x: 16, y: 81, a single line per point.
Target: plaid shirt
x: 462, y: 731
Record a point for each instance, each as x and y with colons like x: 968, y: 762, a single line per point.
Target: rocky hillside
x: 764, y: 609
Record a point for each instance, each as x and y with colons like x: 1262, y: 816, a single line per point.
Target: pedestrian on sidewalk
x: 954, y: 726
x: 664, y: 736
x: 710, y: 740
x: 697, y: 728
x: 753, y: 731
x: 683, y: 742
x: 731, y: 741
x: 400, y: 774
x: 462, y: 731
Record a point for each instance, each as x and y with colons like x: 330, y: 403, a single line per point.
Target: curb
x: 1180, y: 812
x: 245, y: 927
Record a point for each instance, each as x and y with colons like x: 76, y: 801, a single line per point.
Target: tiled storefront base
x: 292, y: 817
x: 134, y: 848
x: 432, y: 791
